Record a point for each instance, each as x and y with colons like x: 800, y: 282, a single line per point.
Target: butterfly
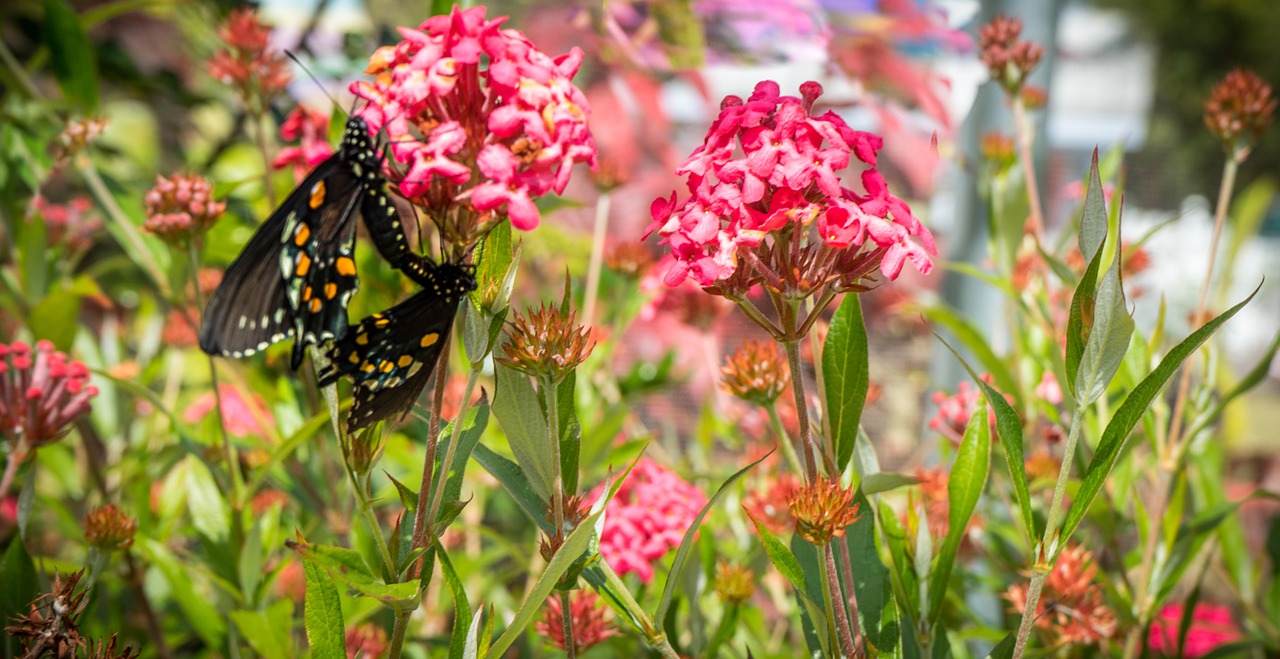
x: 390, y: 355
x: 296, y: 275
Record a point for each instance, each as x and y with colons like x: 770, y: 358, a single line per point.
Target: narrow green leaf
x: 476, y: 421
x: 885, y: 481
x: 56, y: 318
x: 975, y: 342
x: 1004, y: 649
x: 781, y: 557
x: 1091, y: 235
x: 1109, y: 339
x: 200, y: 613
x: 572, y: 549
x: 846, y: 375
x: 1128, y: 415
x: 519, y: 412
x: 472, y: 649
x: 877, y: 611
x: 461, y: 607
x: 268, y: 632
x: 570, y: 433
x: 682, y: 554
x: 349, y: 567
x: 71, y: 54
x: 964, y: 487
x: 1255, y: 375
x: 514, y: 481
x: 1009, y: 429
x: 326, y: 630
x: 812, y: 605
x: 21, y: 584
x: 209, y: 511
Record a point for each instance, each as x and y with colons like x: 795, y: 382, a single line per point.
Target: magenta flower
x: 478, y: 113
x: 1211, y: 626
x: 41, y: 392
x: 647, y: 517
x: 765, y: 174
x: 310, y: 128
x: 243, y: 417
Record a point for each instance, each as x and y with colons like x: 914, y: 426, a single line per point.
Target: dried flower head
x: 1079, y: 615
x: 77, y: 137
x: 576, y: 509
x: 822, y: 510
x: 1008, y: 60
x: 756, y: 372
x: 1033, y: 97
x: 766, y: 205
x: 181, y: 208
x: 108, y: 528
x: 106, y: 649
x: 1212, y: 626
x: 71, y: 224
x: 734, y: 584
x: 49, y: 629
x: 310, y: 128
x: 41, y: 392
x: 590, y: 621
x: 770, y: 505
x: 630, y: 258
x: 998, y: 148
x: 367, y: 641
x: 546, y: 343
x: 244, y: 62
x: 475, y: 112
x: 1238, y: 109
x: 646, y: 518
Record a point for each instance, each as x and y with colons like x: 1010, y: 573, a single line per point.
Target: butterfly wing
x: 391, y: 355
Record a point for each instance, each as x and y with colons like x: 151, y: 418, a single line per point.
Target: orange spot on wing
x: 429, y: 340
x: 346, y: 266
x: 301, y: 234
x: 317, y: 195
x: 330, y: 290
x: 303, y: 266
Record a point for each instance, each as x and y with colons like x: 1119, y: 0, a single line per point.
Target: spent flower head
x: 42, y: 392
x: 50, y: 626
x: 108, y: 528
x: 1238, y: 109
x: 546, y: 343
x: 70, y: 224
x: 310, y: 128
x: 1079, y: 615
x: 245, y: 62
x: 181, y: 207
x: 734, y: 584
x: 77, y: 136
x: 590, y: 621
x: 106, y: 648
x: 822, y: 510
x: 770, y: 505
x: 756, y: 372
x: 475, y: 112
x: 1009, y: 60
x: 766, y: 205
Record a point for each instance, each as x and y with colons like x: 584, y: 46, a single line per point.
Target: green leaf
x: 812, y: 603
x: 21, y: 585
x: 268, y: 632
x: 56, y: 318
x: 519, y: 412
x: 197, y: 608
x: 1009, y: 429
x: 570, y: 433
x: 288, y: 446
x: 1255, y: 375
x: 349, y: 567
x: 1108, y: 340
x: 682, y: 554
x: 877, y: 611
x: 326, y: 630
x: 884, y: 481
x: 514, y: 481
x: 461, y: 607
x: 209, y: 511
x: 975, y: 342
x: 846, y: 376
x: 1004, y: 649
x: 249, y: 567
x: 1092, y: 233
x: 781, y: 557
x: 964, y: 487
x: 1128, y: 415
x: 568, y: 553
x: 71, y: 55
x: 477, y: 419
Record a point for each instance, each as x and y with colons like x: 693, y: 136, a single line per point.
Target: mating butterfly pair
x: 296, y: 276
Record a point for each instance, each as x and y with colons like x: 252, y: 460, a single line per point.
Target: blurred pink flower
x: 685, y: 302
x: 238, y: 414
x: 181, y: 207
x: 1211, y: 626
x: 954, y: 410
x: 244, y: 61
x: 42, y: 392
x: 69, y: 224
x: 500, y: 136
x: 311, y: 129
x: 1048, y: 389
x: 647, y: 517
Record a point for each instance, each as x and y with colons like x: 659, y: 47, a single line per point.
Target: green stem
x: 228, y: 448
x: 267, y: 186
x: 792, y: 348
x: 141, y: 255
x: 18, y: 71
x: 557, y: 500
x: 421, y: 524
x: 1046, y: 551
x: 473, y: 377
x: 596, y: 264
x: 1022, y: 125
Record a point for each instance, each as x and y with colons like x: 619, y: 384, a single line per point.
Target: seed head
x: 590, y: 625
x: 546, y: 343
x: 49, y: 629
x: 1008, y: 60
x: 822, y: 510
x: 108, y: 528
x: 734, y: 584
x: 756, y: 372
x: 1238, y: 110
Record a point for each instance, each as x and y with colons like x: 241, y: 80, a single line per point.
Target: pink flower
x: 69, y: 224
x: 477, y: 113
x: 954, y: 410
x: 41, y: 392
x: 765, y: 173
x: 243, y: 417
x: 311, y: 129
x: 245, y: 61
x: 1212, y: 626
x: 1048, y: 389
x: 181, y: 207
x: 647, y: 517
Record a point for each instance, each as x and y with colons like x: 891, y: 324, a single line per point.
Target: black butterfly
x: 391, y: 355
x: 296, y: 275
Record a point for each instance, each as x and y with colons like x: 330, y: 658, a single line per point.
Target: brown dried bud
x: 108, y: 528
x: 546, y: 343
x: 629, y: 257
x: 756, y: 372
x: 822, y: 510
x: 734, y: 584
x: 49, y: 629
x: 1238, y: 110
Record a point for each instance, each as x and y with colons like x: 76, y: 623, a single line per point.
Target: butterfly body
x: 296, y: 275
x: 391, y: 355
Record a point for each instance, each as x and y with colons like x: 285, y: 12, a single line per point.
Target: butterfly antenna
x: 313, y: 78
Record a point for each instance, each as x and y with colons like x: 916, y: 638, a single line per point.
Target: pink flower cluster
x: 311, y: 129
x: 500, y: 134
x: 1211, y: 626
x: 647, y: 517
x: 41, y: 392
x: 69, y: 224
x: 954, y: 410
x: 180, y: 207
x: 768, y: 167
x: 244, y: 61
x: 240, y: 415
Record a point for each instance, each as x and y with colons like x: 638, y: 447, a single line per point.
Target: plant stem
x: 1046, y: 551
x: 16, y: 458
x: 228, y: 448
x: 1170, y: 452
x: 420, y: 521
x: 134, y: 578
x: 788, y: 449
x: 595, y: 266
x: 566, y: 623
x: 267, y: 186
x: 473, y: 377
x: 141, y: 255
x: 557, y: 500
x: 1022, y: 125
x: 847, y: 647
x: 802, y: 413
